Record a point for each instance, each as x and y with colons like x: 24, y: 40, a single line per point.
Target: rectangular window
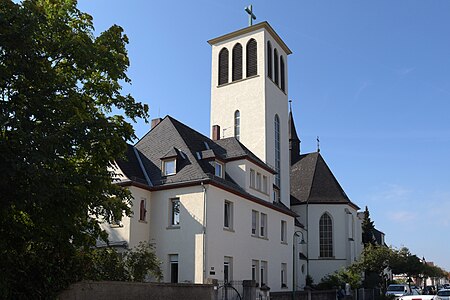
x: 258, y: 181
x: 228, y: 214
x: 263, y: 273
x: 173, y: 259
x: 276, y: 195
x: 283, y: 231
x: 263, y: 227
x: 264, y: 184
x: 227, y: 269
x: 175, y: 212
x: 143, y: 209
x: 252, y: 178
x: 169, y: 167
x: 283, y: 275
x: 254, y: 222
x: 255, y: 269
x: 218, y: 169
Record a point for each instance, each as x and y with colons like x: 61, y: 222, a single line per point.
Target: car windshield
x: 396, y: 288
x: 443, y: 293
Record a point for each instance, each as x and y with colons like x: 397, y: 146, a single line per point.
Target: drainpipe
x: 204, y: 232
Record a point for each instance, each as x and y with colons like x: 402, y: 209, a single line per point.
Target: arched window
x: 252, y: 62
x: 326, y: 236
x: 277, y: 150
x: 237, y: 62
x: 275, y: 65
x: 223, y: 66
x: 282, y: 82
x: 237, y: 124
x: 269, y: 59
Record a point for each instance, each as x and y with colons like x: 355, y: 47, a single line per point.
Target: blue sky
x: 370, y: 78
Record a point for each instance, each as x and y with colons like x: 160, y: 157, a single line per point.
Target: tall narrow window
x: 252, y: 58
x: 227, y: 269
x: 263, y: 273
x: 326, y: 236
x: 252, y: 178
x: 264, y: 184
x: 237, y: 125
x: 223, y: 66
x: 228, y: 215
x: 175, y: 212
x: 277, y: 150
x: 237, y: 62
x: 283, y: 275
x: 255, y: 270
x: 263, y: 226
x: 173, y: 258
x: 143, y: 210
x: 282, y: 81
x: 283, y: 231
x: 269, y: 60
x: 258, y: 181
x: 254, y: 222
x: 275, y: 65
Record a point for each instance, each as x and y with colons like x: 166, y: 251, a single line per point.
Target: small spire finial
x: 318, y: 144
x: 290, y: 105
x: 251, y: 15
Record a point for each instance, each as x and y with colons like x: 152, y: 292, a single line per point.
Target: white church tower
x: 249, y: 97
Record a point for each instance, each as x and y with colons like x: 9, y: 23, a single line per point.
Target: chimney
x: 215, y: 132
x: 155, y: 122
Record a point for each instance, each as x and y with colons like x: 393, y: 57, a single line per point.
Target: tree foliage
x: 367, y: 229
x: 130, y: 265
x: 59, y: 86
x: 341, y: 277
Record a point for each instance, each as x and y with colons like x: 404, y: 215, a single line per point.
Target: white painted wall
x: 258, y: 99
x: 347, y: 245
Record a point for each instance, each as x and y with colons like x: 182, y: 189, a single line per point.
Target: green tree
x: 367, y: 229
x: 129, y: 265
x: 404, y: 262
x: 337, y: 279
x: 373, y: 261
x: 59, y: 87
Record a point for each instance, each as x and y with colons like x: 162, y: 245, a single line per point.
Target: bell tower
x: 249, y: 98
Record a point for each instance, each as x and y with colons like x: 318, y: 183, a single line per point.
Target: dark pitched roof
x: 130, y: 166
x: 195, y: 153
x: 312, y: 181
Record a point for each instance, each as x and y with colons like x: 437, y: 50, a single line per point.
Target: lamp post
x: 302, y: 242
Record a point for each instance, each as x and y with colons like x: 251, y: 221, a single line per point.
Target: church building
x: 235, y: 205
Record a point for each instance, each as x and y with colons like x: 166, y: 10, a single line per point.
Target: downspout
x: 204, y: 232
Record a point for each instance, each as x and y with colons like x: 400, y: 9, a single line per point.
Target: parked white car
x: 398, y: 290
x: 443, y: 294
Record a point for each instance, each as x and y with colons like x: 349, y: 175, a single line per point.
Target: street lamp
x: 302, y: 242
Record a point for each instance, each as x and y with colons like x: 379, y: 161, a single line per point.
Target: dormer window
x: 218, y: 169
x: 169, y: 167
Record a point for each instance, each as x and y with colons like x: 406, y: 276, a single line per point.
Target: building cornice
x: 263, y: 25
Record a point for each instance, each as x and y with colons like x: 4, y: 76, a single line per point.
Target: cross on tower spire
x: 251, y: 16
x: 318, y: 144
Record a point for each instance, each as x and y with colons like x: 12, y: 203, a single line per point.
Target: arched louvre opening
x: 275, y: 65
x: 237, y: 62
x: 269, y: 60
x: 277, y: 150
x: 237, y: 124
x: 223, y: 66
x: 282, y: 78
x: 252, y: 58
x: 325, y: 236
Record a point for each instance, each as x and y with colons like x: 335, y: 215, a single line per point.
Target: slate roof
x: 312, y: 181
x: 194, y: 153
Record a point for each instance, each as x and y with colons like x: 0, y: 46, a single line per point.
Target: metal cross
x: 318, y: 144
x: 251, y: 16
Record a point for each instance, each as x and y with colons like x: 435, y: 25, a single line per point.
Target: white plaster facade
x: 257, y: 98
